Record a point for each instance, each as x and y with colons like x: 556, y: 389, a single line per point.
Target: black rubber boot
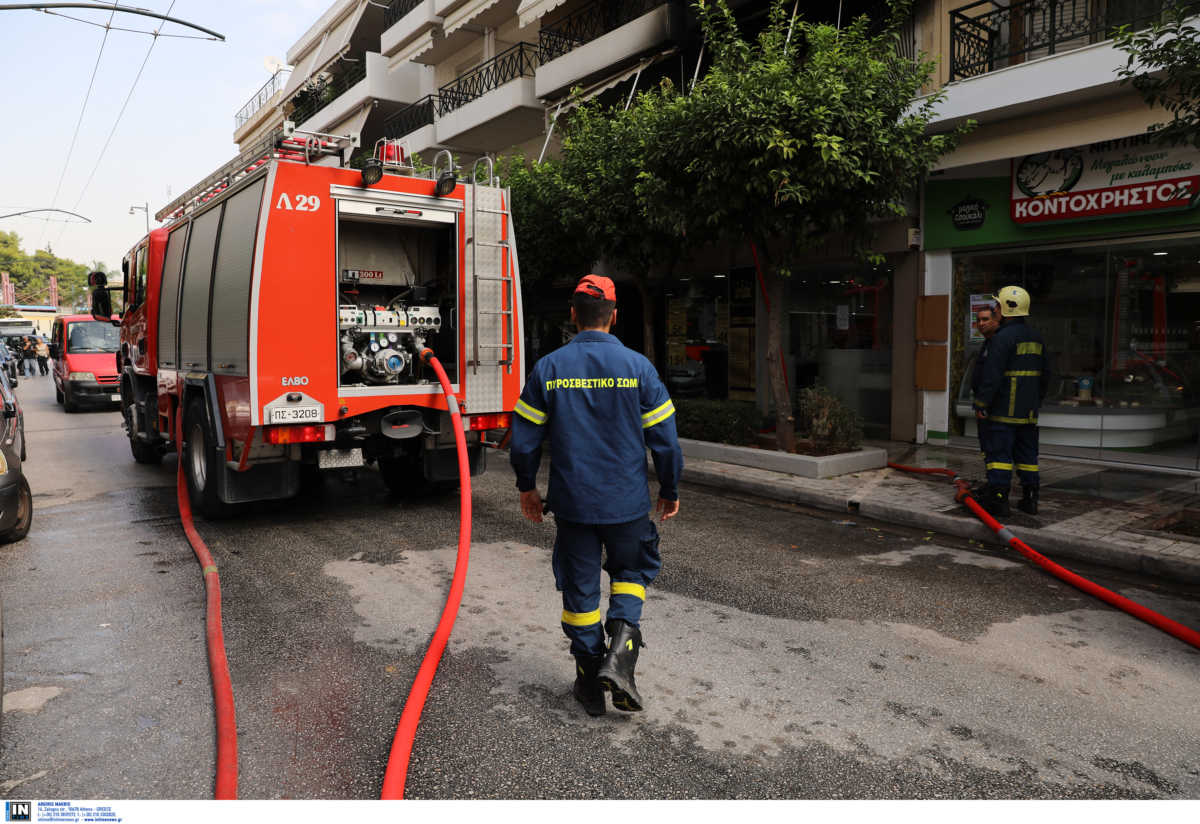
x: 587, y: 689
x: 1029, y: 499
x: 616, y: 673
x: 995, y: 502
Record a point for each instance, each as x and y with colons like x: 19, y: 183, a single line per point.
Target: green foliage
x: 732, y: 422
x: 31, y: 273
x: 551, y: 240
x: 830, y: 424
x: 1164, y: 65
x: 785, y: 141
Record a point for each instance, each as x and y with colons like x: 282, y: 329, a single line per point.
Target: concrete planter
x: 806, y: 466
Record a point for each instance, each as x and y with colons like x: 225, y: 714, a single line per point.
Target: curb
x: 1051, y: 544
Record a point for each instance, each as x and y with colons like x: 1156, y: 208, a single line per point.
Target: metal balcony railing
x: 588, y: 23
x: 261, y: 97
x: 986, y: 35
x: 520, y: 60
x: 411, y: 117
x: 398, y: 8
x: 317, y: 95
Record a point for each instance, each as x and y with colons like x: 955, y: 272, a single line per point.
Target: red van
x: 85, y: 361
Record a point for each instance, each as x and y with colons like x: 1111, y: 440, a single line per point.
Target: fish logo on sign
x: 18, y: 811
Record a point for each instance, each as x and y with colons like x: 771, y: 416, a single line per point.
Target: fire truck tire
x: 143, y: 452
x: 201, y: 463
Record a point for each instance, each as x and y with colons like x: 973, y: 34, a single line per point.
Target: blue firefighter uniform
x: 1012, y: 382
x: 600, y: 404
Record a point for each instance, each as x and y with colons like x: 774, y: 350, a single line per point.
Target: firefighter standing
x: 600, y: 404
x: 1012, y: 383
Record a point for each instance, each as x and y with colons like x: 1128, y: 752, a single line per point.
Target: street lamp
x: 144, y: 208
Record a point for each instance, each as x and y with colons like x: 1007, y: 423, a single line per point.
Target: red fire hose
x: 402, y: 743
x: 218, y: 666
x: 963, y: 496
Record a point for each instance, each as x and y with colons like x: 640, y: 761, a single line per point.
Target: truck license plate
x: 296, y: 414
x: 114, y: 397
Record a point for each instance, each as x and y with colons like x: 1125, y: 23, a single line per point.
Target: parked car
x: 16, y: 500
x: 85, y: 361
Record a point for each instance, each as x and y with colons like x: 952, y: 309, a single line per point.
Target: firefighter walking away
x: 1011, y: 385
x: 600, y: 405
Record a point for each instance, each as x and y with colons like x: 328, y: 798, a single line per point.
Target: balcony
x: 601, y: 38
x: 986, y: 35
x: 415, y: 124
x: 411, y: 28
x: 365, y: 80
x: 495, y: 101
x: 261, y: 98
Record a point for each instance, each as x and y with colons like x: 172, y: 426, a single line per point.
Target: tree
x: 805, y: 132
x: 31, y: 273
x: 1164, y: 65
x: 549, y: 239
x: 603, y: 160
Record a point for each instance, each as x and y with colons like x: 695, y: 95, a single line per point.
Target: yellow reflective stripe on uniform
x: 626, y: 588
x: 1023, y: 373
x: 1012, y: 397
x: 1027, y: 467
x: 658, y: 415
x: 1018, y: 421
x: 1029, y: 348
x: 581, y: 619
x: 530, y: 414
x: 999, y: 466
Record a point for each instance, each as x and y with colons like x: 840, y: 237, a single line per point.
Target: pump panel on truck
x: 280, y: 312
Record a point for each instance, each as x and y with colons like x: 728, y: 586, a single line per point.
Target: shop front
x: 1106, y: 240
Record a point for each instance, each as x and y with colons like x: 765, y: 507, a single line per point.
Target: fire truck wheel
x: 201, y: 463
x: 143, y: 452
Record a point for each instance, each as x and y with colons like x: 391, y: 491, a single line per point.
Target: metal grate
x: 261, y: 97
x: 398, y: 8
x: 410, y: 118
x: 588, y: 23
x: 317, y: 95
x: 985, y: 35
x: 520, y: 60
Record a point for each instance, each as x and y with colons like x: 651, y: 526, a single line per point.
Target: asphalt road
x: 789, y: 655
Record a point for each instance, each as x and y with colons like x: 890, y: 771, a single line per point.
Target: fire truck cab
x: 276, y: 321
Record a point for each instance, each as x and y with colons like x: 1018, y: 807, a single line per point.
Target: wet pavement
x: 792, y: 653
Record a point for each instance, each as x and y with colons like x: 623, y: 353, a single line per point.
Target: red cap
x: 597, y: 286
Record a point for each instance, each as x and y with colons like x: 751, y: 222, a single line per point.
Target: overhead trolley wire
x: 62, y: 176
x: 117, y: 122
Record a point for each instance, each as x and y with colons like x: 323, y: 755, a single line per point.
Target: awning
x: 532, y: 10
x: 568, y: 102
x: 413, y: 50
x: 455, y: 20
x: 332, y: 45
x: 354, y: 123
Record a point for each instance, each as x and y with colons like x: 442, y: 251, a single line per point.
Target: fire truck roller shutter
x: 193, y: 299
x: 168, y: 303
x: 229, y: 333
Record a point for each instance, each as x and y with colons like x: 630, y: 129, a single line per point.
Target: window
x: 92, y: 337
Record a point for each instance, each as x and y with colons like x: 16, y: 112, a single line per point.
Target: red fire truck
x: 280, y: 312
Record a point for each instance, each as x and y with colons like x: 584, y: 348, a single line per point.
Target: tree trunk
x: 785, y: 424
x: 643, y: 289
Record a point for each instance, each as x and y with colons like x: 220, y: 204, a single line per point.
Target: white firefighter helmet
x: 1014, y: 302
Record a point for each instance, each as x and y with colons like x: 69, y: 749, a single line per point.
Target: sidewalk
x: 1125, y: 518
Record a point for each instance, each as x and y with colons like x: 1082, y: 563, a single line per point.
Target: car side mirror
x: 101, y: 300
x: 13, y: 381
x: 10, y: 408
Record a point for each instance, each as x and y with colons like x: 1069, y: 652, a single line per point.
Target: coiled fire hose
x: 406, y: 730
x: 963, y: 495
x: 218, y: 665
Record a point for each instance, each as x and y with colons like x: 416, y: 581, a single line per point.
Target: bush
x: 731, y: 422
x: 827, y: 422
